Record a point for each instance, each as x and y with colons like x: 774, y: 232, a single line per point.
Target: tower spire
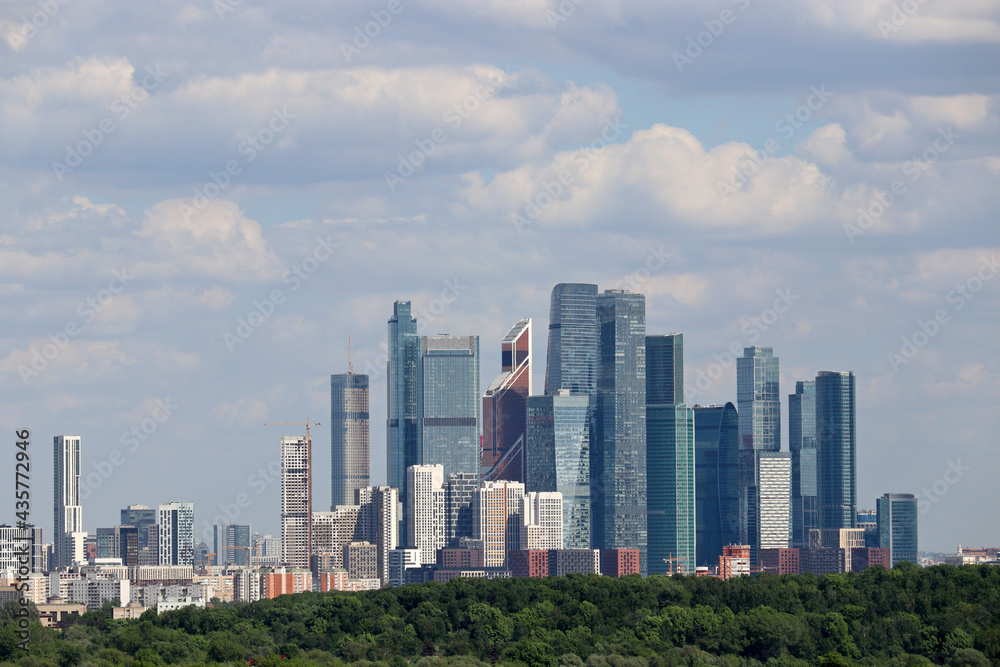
x: 350, y: 366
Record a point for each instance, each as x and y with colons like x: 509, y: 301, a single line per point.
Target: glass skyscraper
x: 717, y: 496
x: 572, y: 362
x: 836, y: 450
x: 348, y: 436
x: 504, y: 408
x: 449, y: 403
x: 403, y: 384
x: 802, y: 443
x: 759, y: 407
x: 558, y: 459
x: 897, y: 526
x: 670, y: 464
x: 618, y: 442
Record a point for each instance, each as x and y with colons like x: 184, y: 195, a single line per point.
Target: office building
x: 426, y: 529
x: 460, y: 494
x: 403, y: 380
x: 759, y: 411
x: 232, y: 545
x: 618, y: 442
x: 897, y: 526
x: 670, y: 457
x: 296, y: 501
x: 120, y: 542
x: 836, y: 449
x: 802, y: 444
x: 868, y: 520
x: 175, y: 530
x: 558, y: 458
x: 572, y: 356
x: 348, y: 436
x: 504, y: 408
x: 541, y: 520
x: 498, y: 508
x: 450, y: 403
x: 68, y: 534
x: 717, y: 494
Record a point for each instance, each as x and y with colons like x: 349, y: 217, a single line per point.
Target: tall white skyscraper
x: 542, y: 520
x: 175, y: 524
x: 498, y: 520
x: 774, y: 490
x: 296, y: 501
x: 68, y: 536
x: 426, y: 527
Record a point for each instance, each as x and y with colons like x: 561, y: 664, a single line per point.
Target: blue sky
x: 229, y: 145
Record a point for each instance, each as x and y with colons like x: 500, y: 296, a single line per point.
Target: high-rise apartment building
x: 296, y: 501
x: 574, y: 337
x: 349, y: 433
x: 450, y: 402
x: 378, y: 522
x: 618, y: 443
x: 68, y: 536
x: 175, y: 528
x: 426, y: 528
x: 558, y: 458
x: 541, y: 520
x: 670, y: 457
x: 403, y: 383
x: 460, y: 494
x: 717, y: 494
x: 897, y: 526
x: 335, y: 529
x: 498, y: 508
x: 774, y: 492
x: 802, y: 444
x: 836, y: 450
x: 504, y: 408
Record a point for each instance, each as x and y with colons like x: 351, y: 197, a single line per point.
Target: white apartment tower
x: 498, y: 520
x: 68, y: 536
x: 425, y: 514
x: 542, y: 520
x: 296, y: 505
x: 175, y: 531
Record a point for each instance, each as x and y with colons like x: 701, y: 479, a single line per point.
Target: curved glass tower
x: 717, y: 493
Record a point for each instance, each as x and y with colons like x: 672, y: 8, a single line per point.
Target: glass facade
x: 897, y: 526
x: 717, y: 496
x: 348, y: 437
x: 618, y: 441
x: 504, y: 408
x: 836, y: 449
x: 403, y: 383
x: 450, y: 402
x: 759, y: 406
x: 670, y: 487
x: 802, y: 443
x: 573, y: 340
x: 558, y: 459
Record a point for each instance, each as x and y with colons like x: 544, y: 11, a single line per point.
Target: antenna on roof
x: 350, y: 366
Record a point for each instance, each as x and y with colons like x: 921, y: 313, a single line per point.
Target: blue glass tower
x: 403, y: 383
x: 897, y: 526
x: 618, y: 442
x: 717, y: 494
x: 802, y: 443
x: 449, y: 403
x: 760, y: 428
x: 836, y: 450
x: 573, y: 340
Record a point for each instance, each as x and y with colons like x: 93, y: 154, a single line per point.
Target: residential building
x: 426, y: 529
x: 361, y: 560
x: 504, y: 427
x: 619, y: 562
x: 20, y: 551
x: 498, y: 519
x: 773, y: 484
x: 68, y: 536
x: 734, y: 561
x: 541, y: 520
x: 378, y: 522
x: 175, y: 530
x: 460, y: 493
x: 296, y: 501
x: 349, y: 433
x: 574, y: 561
x: 778, y: 560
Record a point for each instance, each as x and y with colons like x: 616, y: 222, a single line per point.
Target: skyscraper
x: 460, y: 494
x: 296, y: 503
x: 403, y: 386
x: 231, y: 544
x: 897, y: 526
x: 542, y: 520
x: 759, y: 409
x: 449, y: 402
x: 670, y: 457
x: 175, y: 522
x: 618, y: 443
x: 498, y: 520
x: 145, y: 520
x: 574, y: 337
x: 802, y: 443
x: 378, y: 522
x: 558, y: 458
x: 348, y: 436
x: 68, y: 535
x: 774, y: 492
x: 426, y: 529
x: 717, y: 496
x: 504, y: 408
x: 836, y: 450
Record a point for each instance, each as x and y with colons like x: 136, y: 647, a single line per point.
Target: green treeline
x: 908, y: 616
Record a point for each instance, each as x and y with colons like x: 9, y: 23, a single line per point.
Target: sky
x: 201, y: 202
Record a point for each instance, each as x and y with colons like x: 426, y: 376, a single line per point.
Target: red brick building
x: 460, y: 558
x: 778, y: 561
x: 619, y: 562
x: 869, y: 556
x: 529, y: 563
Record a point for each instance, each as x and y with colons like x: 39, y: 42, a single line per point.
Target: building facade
x: 802, y: 444
x: 574, y: 335
x: 450, y: 403
x: 717, y: 494
x: 836, y: 449
x: 296, y: 501
x: 403, y: 382
x: 68, y: 536
x: 759, y: 410
x: 504, y: 409
x: 426, y: 529
x: 897, y: 526
x: 349, y: 432
x: 498, y: 508
x: 175, y: 530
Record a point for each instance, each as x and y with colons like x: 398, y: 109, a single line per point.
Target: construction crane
x: 309, y: 505
x: 670, y: 561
